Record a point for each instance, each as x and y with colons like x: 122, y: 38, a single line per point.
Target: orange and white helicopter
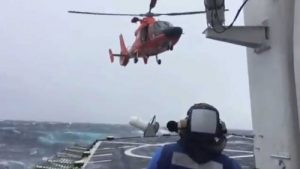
x: 152, y: 37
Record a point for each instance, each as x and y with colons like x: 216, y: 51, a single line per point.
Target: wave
x: 70, y: 137
x: 12, y: 164
x: 12, y: 129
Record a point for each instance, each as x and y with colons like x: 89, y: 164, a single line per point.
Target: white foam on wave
x: 11, y: 162
x: 45, y: 158
x: 13, y: 129
x: 33, y: 151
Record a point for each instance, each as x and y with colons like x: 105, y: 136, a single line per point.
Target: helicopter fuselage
x: 152, y: 38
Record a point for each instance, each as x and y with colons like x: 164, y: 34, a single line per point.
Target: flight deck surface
x: 135, y: 153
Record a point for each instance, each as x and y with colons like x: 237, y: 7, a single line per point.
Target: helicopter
x: 152, y: 37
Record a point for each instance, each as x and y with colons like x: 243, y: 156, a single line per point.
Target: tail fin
x: 111, y: 55
x: 124, y: 57
x: 124, y: 50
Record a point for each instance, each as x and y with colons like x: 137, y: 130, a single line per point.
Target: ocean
x: 26, y: 143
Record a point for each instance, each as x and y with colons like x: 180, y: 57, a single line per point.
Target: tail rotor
x: 111, y: 55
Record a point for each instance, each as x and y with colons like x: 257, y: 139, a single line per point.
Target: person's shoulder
x: 170, y: 148
x: 173, y: 147
x: 224, y: 157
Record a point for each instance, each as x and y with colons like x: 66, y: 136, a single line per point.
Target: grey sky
x: 54, y: 66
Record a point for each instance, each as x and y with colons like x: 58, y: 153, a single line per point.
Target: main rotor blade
x: 110, y: 14
x: 179, y: 13
x: 152, y: 4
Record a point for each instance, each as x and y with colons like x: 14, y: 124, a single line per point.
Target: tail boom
x: 124, y: 59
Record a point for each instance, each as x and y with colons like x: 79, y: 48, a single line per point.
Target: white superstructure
x: 272, y: 84
x: 272, y: 35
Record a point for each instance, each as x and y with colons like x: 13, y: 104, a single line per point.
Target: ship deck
x: 135, y: 153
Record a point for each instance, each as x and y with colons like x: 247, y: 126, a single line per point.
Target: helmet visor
x: 204, y: 121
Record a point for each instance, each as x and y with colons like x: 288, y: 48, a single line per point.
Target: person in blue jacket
x: 202, y: 140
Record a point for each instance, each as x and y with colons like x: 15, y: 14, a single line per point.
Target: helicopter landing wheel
x: 136, y: 60
x: 157, y: 60
x: 170, y: 46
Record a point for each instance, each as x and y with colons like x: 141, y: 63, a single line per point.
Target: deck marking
x: 129, y: 152
x: 123, y: 142
x: 243, y: 137
x: 242, y: 156
x: 101, y: 155
x: 239, y: 142
x: 107, y: 148
x: 100, y: 161
x: 93, y: 150
x: 126, y: 147
x: 238, y: 151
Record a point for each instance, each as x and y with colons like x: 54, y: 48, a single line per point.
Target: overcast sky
x: 55, y: 66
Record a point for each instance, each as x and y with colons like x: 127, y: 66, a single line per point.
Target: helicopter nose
x: 173, y: 32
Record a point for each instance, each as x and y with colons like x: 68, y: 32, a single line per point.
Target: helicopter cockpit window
x: 159, y: 26
x: 162, y: 25
x: 144, y: 34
